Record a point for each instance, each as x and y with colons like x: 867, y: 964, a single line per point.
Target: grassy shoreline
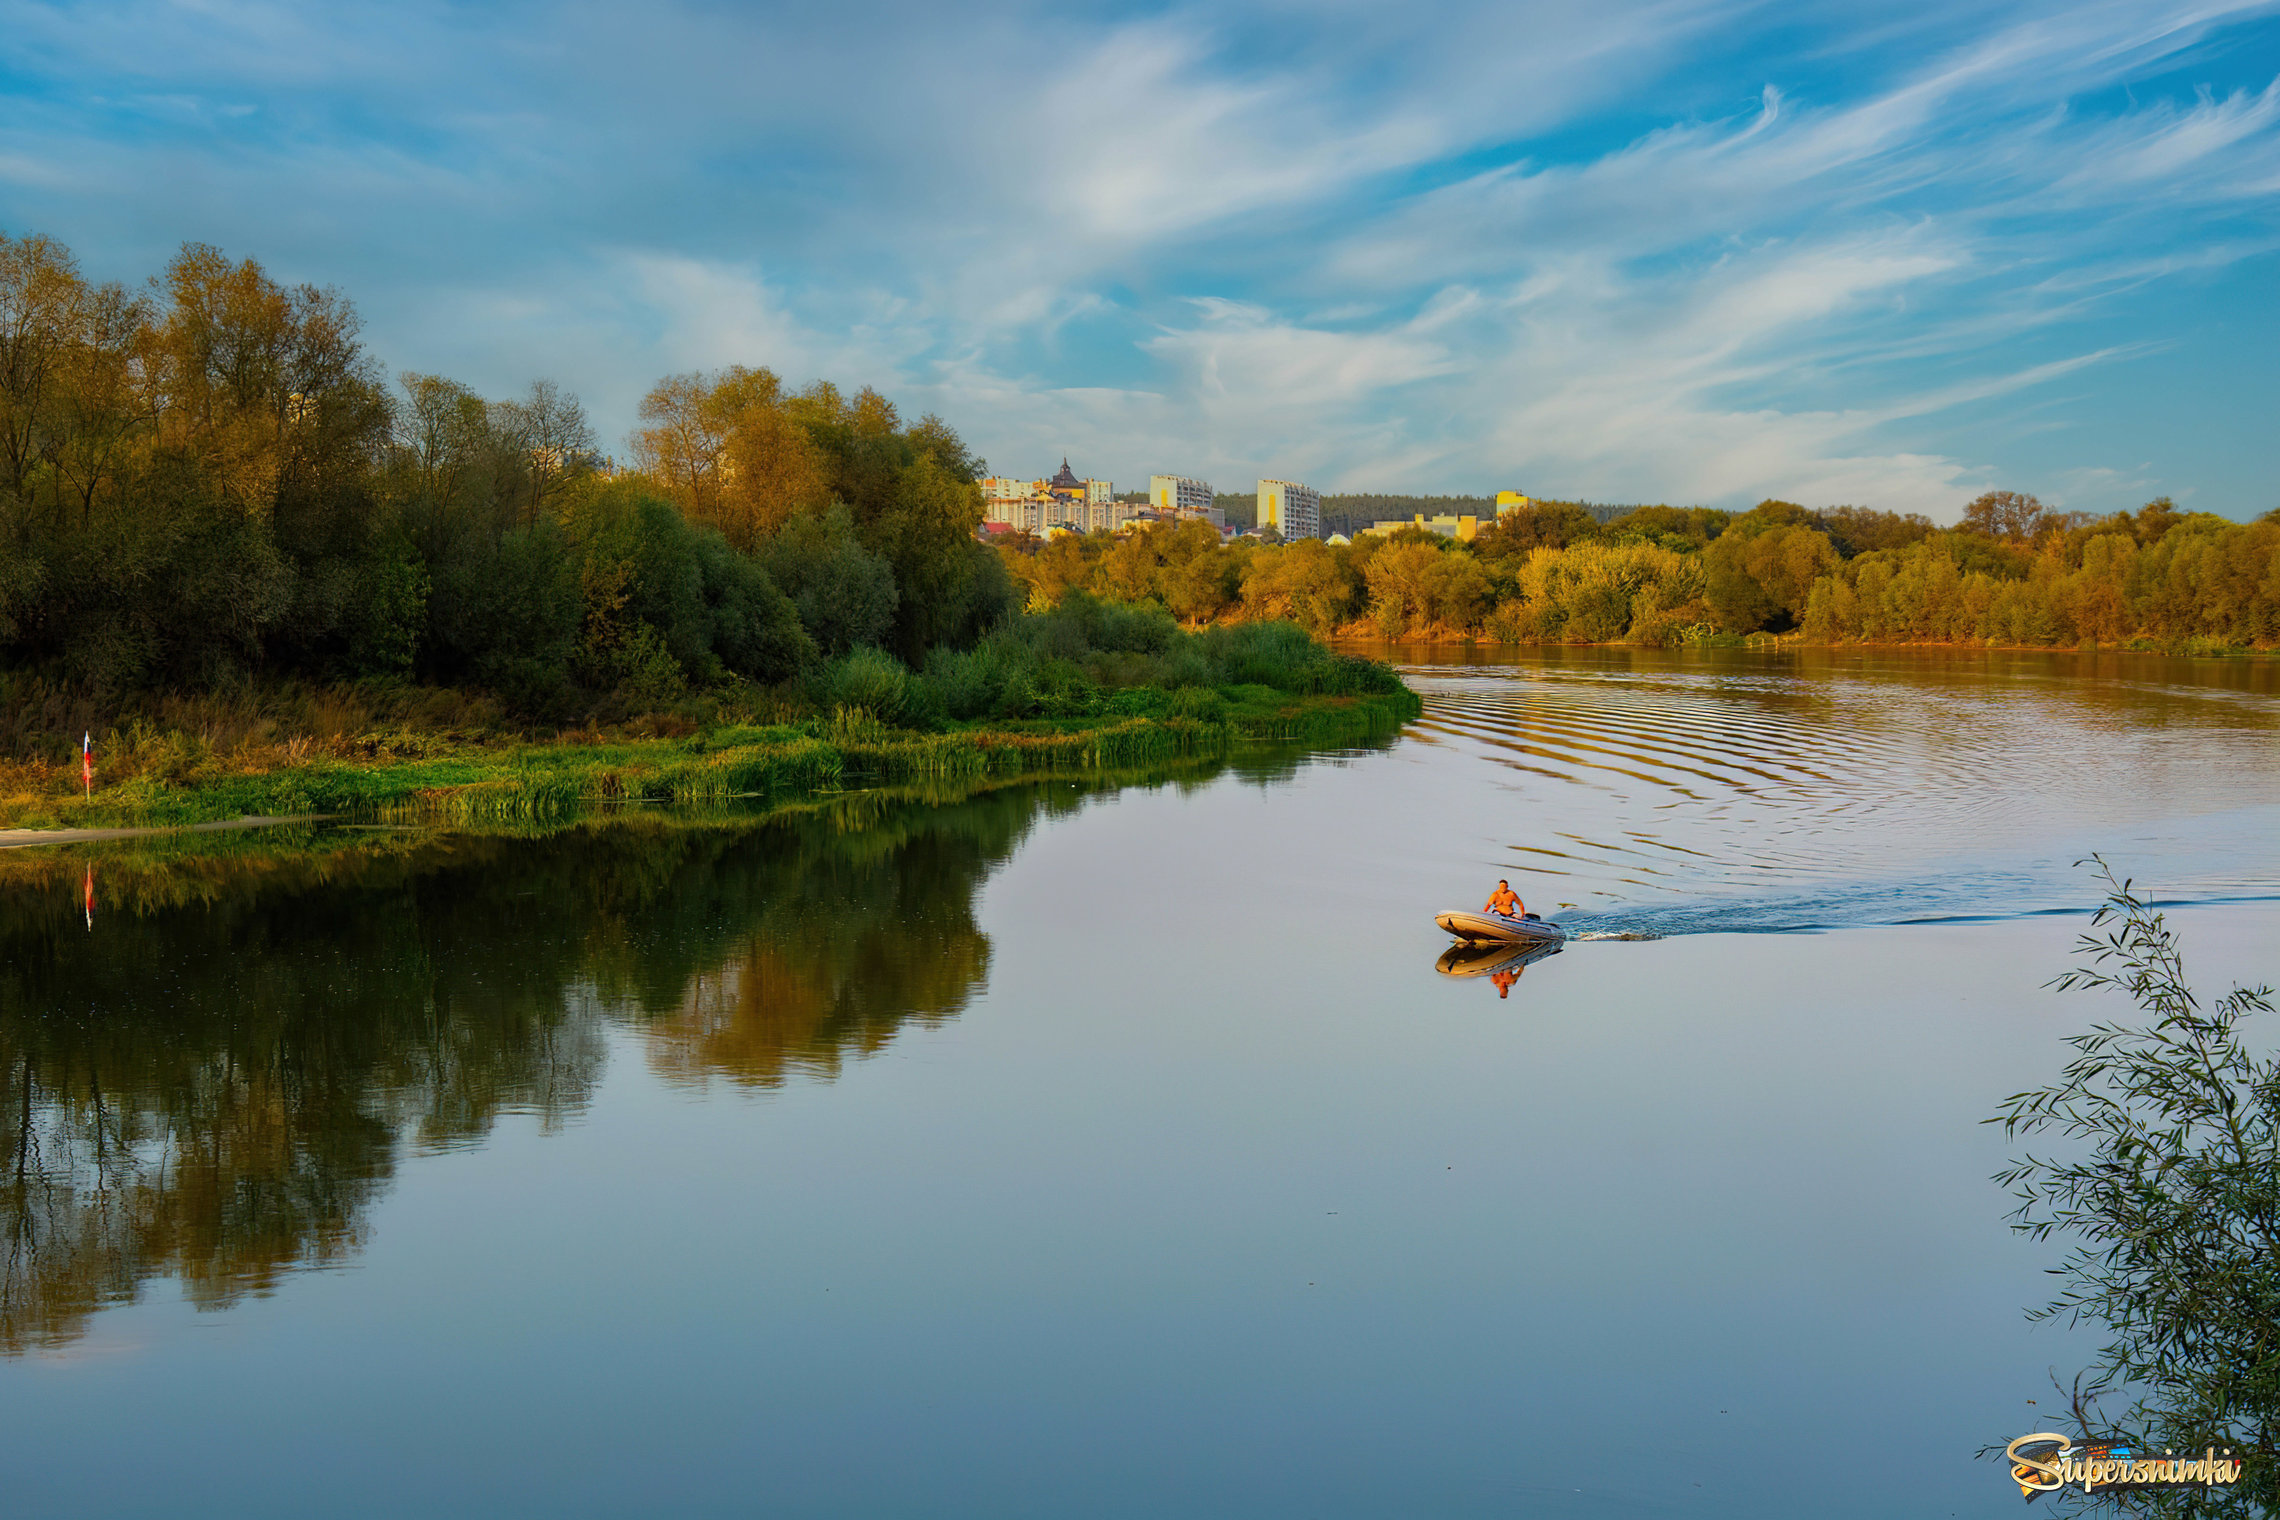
x: 473, y: 781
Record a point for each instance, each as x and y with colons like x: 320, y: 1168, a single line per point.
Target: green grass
x: 469, y: 783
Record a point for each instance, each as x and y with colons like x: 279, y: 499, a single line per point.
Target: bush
x: 1090, y: 656
x: 2166, y: 1186
x: 1090, y: 623
x: 1277, y: 655
x: 867, y: 679
x: 974, y: 683
x: 1201, y: 704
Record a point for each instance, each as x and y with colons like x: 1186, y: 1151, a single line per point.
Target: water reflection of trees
x: 216, y: 1088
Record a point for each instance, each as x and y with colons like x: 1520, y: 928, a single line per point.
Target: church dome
x: 1066, y: 480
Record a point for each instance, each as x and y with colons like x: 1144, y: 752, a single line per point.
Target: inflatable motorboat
x: 1498, y: 928
x: 1472, y: 957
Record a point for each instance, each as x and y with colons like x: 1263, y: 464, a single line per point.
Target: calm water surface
x: 1073, y: 1150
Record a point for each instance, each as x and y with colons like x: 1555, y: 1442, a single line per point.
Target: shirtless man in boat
x: 1505, y: 901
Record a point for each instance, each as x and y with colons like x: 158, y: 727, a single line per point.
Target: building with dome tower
x: 1064, y: 487
x: 1063, y: 501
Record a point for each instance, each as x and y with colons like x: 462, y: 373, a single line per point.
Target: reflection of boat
x: 1470, y: 958
x: 1500, y: 929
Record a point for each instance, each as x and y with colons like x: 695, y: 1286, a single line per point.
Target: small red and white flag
x: 87, y: 762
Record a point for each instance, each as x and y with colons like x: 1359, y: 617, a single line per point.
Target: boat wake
x: 1670, y: 795
x: 1864, y: 907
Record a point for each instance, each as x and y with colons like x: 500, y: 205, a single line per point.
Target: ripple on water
x: 1724, y: 791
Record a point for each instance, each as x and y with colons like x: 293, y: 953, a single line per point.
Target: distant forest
x: 2012, y: 572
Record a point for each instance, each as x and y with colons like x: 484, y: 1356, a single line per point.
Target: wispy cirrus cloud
x: 1689, y: 250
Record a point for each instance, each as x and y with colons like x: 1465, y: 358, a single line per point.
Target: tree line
x: 2012, y: 572
x: 210, y: 478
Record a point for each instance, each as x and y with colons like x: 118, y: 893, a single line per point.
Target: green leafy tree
x: 845, y: 594
x: 653, y: 580
x: 1206, y: 585
x: 1539, y: 525
x: 1760, y: 571
x: 1677, y: 528
x: 1856, y: 530
x: 505, y: 614
x: 925, y: 531
x: 1076, y: 562
x: 1311, y: 583
x: 2154, y: 519
x: 2012, y: 515
x: 2169, y: 1192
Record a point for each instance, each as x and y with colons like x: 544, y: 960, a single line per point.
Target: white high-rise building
x: 1180, y: 495
x: 1293, y: 510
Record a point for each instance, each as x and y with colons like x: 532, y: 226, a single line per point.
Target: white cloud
x: 1662, y: 250
x: 1240, y: 354
x: 23, y: 169
x: 2104, y: 485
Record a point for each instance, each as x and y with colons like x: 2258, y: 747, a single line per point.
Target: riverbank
x: 466, y: 781
x: 18, y: 839
x: 1365, y: 634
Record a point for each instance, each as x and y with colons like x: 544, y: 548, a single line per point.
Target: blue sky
x: 1690, y: 251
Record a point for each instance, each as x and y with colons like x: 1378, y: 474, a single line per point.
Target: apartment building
x: 1181, y: 495
x: 1015, y: 503
x: 1291, y: 509
x: 1060, y: 501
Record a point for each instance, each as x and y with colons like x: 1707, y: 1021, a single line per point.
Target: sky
x: 1685, y: 250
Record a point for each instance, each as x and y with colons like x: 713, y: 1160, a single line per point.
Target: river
x: 1114, y: 1147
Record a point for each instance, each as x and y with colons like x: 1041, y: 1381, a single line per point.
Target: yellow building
x: 1462, y: 529
x: 1508, y: 501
